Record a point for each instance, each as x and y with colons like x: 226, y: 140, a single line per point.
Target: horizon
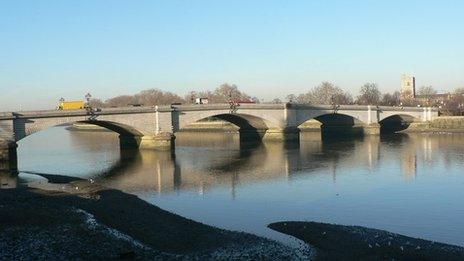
x: 267, y: 48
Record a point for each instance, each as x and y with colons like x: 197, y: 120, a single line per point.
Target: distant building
x: 434, y: 99
x: 408, y: 87
x: 408, y: 94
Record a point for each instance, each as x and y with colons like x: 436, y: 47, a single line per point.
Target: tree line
x: 223, y: 94
x: 325, y: 93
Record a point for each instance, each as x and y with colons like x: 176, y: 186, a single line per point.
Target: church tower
x: 408, y: 86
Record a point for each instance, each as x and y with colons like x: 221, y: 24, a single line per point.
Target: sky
x: 53, y: 49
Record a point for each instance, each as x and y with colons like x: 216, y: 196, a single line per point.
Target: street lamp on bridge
x: 87, y: 98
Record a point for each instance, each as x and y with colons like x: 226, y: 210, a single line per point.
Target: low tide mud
x: 101, y: 224
x: 337, y: 242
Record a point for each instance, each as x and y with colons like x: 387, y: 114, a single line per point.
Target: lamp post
x: 87, y: 98
x: 60, y: 105
x: 88, y: 108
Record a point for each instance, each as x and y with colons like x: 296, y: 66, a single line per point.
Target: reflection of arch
x: 395, y: 123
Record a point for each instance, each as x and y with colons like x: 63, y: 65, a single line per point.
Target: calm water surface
x: 409, y: 184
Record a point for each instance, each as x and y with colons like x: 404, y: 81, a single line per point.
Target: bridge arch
x: 120, y: 128
x: 250, y: 127
x: 242, y: 121
x: 335, y: 123
x: 22, y: 130
x: 129, y: 136
x: 416, y: 116
x: 397, y: 122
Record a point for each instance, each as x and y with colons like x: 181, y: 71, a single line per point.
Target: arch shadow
x: 121, y: 129
x: 129, y: 137
x: 395, y: 123
x: 251, y: 128
x: 336, y: 125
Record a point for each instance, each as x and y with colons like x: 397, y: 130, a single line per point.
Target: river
x: 409, y: 184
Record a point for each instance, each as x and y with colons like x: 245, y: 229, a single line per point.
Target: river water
x: 408, y: 184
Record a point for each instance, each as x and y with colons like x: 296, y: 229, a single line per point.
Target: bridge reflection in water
x: 217, y: 159
x: 204, y: 161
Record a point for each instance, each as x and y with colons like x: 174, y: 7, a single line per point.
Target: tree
x: 369, y: 94
x: 291, y: 98
x: 325, y: 93
x: 191, y: 97
x: 227, y: 92
x: 426, y: 91
x: 97, y: 103
x: 391, y: 99
x: 120, y: 101
x: 153, y: 97
x: 222, y: 94
x: 459, y: 90
x: 276, y: 101
x: 455, y: 105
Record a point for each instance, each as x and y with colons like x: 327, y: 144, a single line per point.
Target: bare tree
x: 459, y: 90
x: 153, y: 97
x: 223, y: 94
x: 455, y: 104
x: 276, y: 101
x: 369, y: 94
x: 325, y: 93
x: 191, y: 97
x: 426, y: 91
x: 391, y: 99
x: 227, y: 92
x: 120, y: 101
x: 291, y: 98
x: 97, y: 103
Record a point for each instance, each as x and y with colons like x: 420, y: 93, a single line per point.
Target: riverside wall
x: 440, y: 124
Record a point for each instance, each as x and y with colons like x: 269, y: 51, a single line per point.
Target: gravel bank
x: 336, y: 242
x: 106, y: 224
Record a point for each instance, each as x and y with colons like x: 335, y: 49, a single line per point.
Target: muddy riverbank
x: 41, y: 224
x: 337, y: 242
x: 84, y: 221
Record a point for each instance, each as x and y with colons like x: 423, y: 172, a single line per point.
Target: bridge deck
x: 152, y: 109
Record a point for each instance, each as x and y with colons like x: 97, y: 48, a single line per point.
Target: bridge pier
x: 289, y: 134
x: 161, y: 141
x: 8, y: 156
x: 372, y: 129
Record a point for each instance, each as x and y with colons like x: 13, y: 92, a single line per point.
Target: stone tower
x: 408, y: 86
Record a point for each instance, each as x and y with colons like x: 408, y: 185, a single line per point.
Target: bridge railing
x: 152, y: 109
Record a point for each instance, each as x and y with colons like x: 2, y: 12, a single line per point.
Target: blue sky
x: 52, y: 49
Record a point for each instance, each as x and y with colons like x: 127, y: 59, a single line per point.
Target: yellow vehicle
x: 71, y: 105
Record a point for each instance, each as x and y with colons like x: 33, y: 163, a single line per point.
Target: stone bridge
x: 155, y: 127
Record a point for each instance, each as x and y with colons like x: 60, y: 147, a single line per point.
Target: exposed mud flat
x: 101, y: 224
x: 337, y: 242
